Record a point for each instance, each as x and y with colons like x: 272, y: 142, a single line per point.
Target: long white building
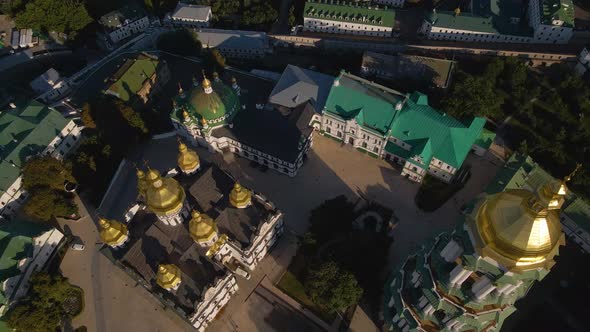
x: 190, y: 16
x: 348, y: 18
x: 25, y: 132
x: 124, y: 22
x: 503, y: 21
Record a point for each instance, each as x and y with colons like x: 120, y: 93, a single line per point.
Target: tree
x: 473, y: 96
x: 214, y: 59
x: 46, y: 172
x: 292, y: 18
x: 45, y: 203
x: 327, y: 284
x: 49, y: 300
x: 68, y: 16
x: 181, y: 42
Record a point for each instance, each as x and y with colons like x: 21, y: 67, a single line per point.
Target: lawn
x: 433, y: 193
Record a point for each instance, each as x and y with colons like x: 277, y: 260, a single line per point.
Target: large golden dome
x: 519, y: 229
x: 163, y: 196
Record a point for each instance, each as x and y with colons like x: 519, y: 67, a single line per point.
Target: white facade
x: 314, y: 24
x: 394, y: 3
x: 554, y: 33
x: 58, y: 148
x: 44, y: 247
x: 129, y: 29
x: 239, y: 44
x: 446, y: 33
x: 265, y: 237
x: 583, y: 62
x: 220, y: 144
x: 214, y: 299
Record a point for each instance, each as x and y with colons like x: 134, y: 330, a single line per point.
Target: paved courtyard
x: 113, y: 303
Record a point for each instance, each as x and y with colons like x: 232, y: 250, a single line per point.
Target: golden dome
x: 188, y: 160
x: 163, y: 195
x: 234, y: 80
x: 112, y: 233
x: 141, y: 182
x: 169, y: 276
x: 240, y: 197
x: 203, y: 121
x: 519, y: 230
x: 185, y: 115
x: 201, y: 227
x: 206, y: 83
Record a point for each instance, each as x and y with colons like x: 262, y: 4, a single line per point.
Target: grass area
x: 433, y: 193
x: 292, y: 286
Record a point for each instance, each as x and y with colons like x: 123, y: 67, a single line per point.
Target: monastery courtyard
x: 330, y: 170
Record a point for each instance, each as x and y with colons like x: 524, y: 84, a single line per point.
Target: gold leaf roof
x: 112, y: 233
x: 240, y: 197
x: 518, y: 230
x: 163, y: 195
x: 169, y: 276
x: 201, y: 227
x: 188, y: 159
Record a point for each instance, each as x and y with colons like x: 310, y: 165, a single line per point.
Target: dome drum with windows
x: 202, y: 228
x: 240, y: 197
x: 212, y: 103
x: 188, y: 160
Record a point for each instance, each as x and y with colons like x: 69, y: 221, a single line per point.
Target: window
x: 339, y: 134
x: 328, y: 130
x: 376, y: 149
x: 365, y: 145
x: 68, y: 145
x: 448, y: 167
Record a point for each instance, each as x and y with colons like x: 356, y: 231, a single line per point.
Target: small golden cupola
x: 164, y: 197
x: 206, y: 84
x: 203, y: 229
x: 188, y: 160
x: 240, y: 197
x: 169, y: 276
x: 141, y: 183
x: 113, y: 233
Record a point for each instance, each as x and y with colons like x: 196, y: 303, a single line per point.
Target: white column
x: 459, y: 275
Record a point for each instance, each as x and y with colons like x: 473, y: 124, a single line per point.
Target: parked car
x: 79, y: 246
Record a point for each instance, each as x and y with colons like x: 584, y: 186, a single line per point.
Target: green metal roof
x: 512, y: 175
x: 351, y: 12
x: 131, y: 81
x: 579, y: 212
x: 397, y: 150
x: 447, y: 139
x: 562, y: 10
x: 16, y: 238
x: 485, y: 139
x: 370, y: 104
x: 487, y: 16
x: 23, y: 133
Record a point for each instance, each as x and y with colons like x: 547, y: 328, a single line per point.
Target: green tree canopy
x: 49, y: 300
x: 46, y: 172
x: 45, y: 203
x: 68, y: 16
x: 181, y: 42
x: 327, y: 284
x: 473, y: 96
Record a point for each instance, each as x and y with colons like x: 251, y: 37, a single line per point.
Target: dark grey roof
x: 297, y: 85
x: 276, y: 132
x: 437, y: 71
x: 153, y: 243
x: 191, y: 12
x: 240, y: 39
x: 211, y: 193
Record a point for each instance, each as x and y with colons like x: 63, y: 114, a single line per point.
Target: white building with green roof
x: 401, y: 128
x: 552, y: 20
x: 25, y: 132
x: 503, y: 21
x: 348, y: 17
x: 124, y: 22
